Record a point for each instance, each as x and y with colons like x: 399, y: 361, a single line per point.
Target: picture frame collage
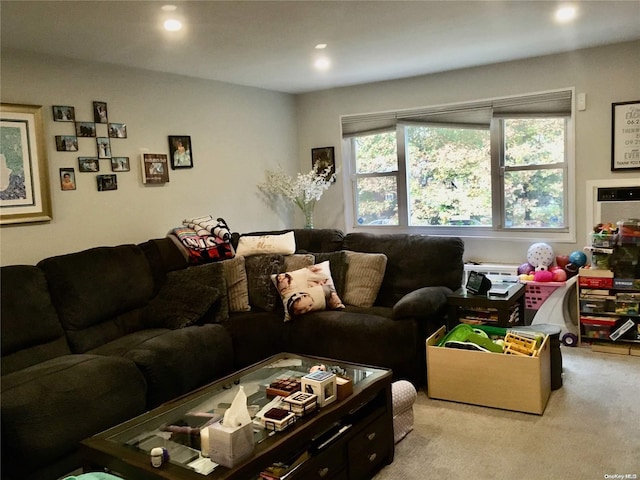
x: 102, y: 137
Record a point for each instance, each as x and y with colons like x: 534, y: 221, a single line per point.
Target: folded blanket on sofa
x: 202, y: 248
x: 207, y: 225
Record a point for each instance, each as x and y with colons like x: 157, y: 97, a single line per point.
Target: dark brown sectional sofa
x: 93, y: 338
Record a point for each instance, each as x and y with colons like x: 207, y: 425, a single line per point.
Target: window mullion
x: 401, y: 179
x: 497, y: 174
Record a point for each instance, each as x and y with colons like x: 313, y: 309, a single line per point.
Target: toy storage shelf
x: 606, y: 305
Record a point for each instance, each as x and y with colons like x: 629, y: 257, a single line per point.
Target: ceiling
x: 270, y: 44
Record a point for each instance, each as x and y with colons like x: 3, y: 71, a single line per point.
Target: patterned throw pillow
x: 365, y: 272
x: 260, y: 268
x: 307, y: 289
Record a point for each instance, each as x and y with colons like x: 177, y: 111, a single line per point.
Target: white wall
x: 236, y: 133
x: 607, y: 74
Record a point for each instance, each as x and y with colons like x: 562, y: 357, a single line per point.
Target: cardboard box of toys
x: 511, y: 382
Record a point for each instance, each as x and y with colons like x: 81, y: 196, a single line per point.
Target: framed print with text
x: 625, y: 136
x: 24, y: 176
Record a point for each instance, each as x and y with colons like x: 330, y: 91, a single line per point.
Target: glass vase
x: 308, y: 216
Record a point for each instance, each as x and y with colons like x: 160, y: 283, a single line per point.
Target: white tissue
x: 237, y: 414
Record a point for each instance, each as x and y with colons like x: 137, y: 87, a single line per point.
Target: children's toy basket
x: 537, y: 292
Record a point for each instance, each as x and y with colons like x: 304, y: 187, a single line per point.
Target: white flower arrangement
x: 304, y: 191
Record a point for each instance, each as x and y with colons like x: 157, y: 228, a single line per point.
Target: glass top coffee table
x: 175, y: 426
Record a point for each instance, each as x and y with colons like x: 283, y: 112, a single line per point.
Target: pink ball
x: 559, y: 275
x: 543, y: 276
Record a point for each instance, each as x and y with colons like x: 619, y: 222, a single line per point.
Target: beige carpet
x: 589, y: 430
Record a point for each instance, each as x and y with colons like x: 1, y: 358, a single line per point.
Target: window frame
x: 497, y: 230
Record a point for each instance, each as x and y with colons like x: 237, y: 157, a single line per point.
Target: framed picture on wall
x: 88, y: 164
x: 85, y: 129
x: 104, y: 147
x: 66, y: 143
x: 625, y: 136
x: 24, y: 177
x: 62, y: 113
x: 107, y: 182
x: 67, y: 179
x: 155, y: 168
x: 120, y: 164
x: 180, y: 151
x: 323, y: 159
x: 100, y: 112
x: 117, y: 130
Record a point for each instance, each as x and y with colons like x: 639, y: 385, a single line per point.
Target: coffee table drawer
x: 369, y: 449
x: 331, y: 464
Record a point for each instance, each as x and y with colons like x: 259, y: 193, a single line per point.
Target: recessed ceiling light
x: 169, y: 8
x: 322, y: 63
x: 320, y: 46
x: 566, y: 14
x: 172, y: 25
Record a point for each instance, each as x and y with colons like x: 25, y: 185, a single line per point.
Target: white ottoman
x: 403, y: 395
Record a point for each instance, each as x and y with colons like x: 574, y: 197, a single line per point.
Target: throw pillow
x: 284, y: 244
x: 338, y: 264
x: 187, y: 295
x: 262, y: 293
x: 298, y: 261
x: 365, y: 272
x: 306, y: 290
x: 237, y: 287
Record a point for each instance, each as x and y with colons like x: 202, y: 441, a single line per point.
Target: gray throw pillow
x: 262, y: 292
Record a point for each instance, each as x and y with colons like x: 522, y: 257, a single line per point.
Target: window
x: 494, y: 168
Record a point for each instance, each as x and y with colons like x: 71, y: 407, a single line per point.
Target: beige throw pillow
x: 284, y: 244
x: 365, y: 272
x: 237, y: 286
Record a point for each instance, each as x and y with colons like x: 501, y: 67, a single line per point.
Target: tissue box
x: 228, y: 446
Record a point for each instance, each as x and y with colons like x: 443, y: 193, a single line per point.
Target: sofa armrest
x: 422, y: 303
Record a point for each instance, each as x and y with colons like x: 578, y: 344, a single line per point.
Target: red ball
x: 559, y: 275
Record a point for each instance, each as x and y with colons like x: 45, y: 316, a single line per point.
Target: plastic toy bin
x: 537, y: 292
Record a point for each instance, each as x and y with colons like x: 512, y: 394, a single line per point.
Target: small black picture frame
x: 67, y: 179
x: 63, y: 113
x: 104, y: 147
x: 66, y: 143
x: 100, y: 112
x: 88, y: 164
x: 85, y: 129
x: 120, y: 164
x: 323, y: 158
x: 107, y: 182
x: 180, y: 151
x: 117, y: 130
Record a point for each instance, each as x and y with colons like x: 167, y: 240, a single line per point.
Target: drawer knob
x: 372, y: 457
x: 371, y: 436
x: 323, y: 472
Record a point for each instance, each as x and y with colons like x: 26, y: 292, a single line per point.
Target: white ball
x: 540, y: 255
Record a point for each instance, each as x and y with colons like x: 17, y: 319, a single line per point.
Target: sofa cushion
x: 413, y: 261
x: 178, y: 361
x: 262, y: 293
x: 365, y: 272
x: 307, y: 289
x: 255, y: 335
x: 95, y: 286
x: 47, y: 409
x: 31, y: 332
x: 283, y: 244
x: 190, y: 296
